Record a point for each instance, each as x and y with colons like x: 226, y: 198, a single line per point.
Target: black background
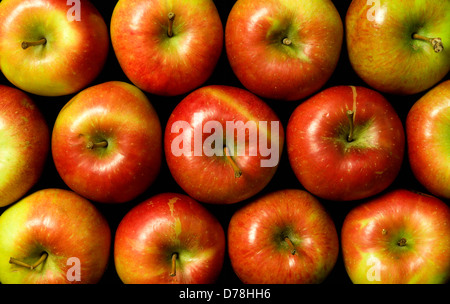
x: 284, y: 177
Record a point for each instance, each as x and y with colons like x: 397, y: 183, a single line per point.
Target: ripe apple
x: 399, y: 47
x: 169, y: 239
x: 283, y: 49
x: 399, y: 237
x: 107, y: 142
x: 45, y: 52
x: 345, y: 143
x: 223, y: 144
x: 167, y: 48
x: 53, y: 236
x: 24, y: 144
x: 427, y: 133
x: 284, y: 237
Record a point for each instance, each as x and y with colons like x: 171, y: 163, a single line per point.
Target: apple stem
x: 171, y: 17
x: 31, y: 267
x: 437, y: 44
x: 291, y: 245
x: 286, y: 41
x: 174, y: 264
x: 237, y: 171
x: 401, y: 242
x: 350, y: 115
x: 19, y: 263
x: 102, y: 144
x: 27, y: 44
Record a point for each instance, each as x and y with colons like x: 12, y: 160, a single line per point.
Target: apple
x: 283, y: 49
x: 345, y: 143
x: 167, y: 48
x: 24, y: 144
x: 107, y: 142
x: 53, y: 236
x: 399, y: 237
x: 399, y: 47
x: 283, y: 237
x: 169, y: 239
x: 222, y: 144
x: 427, y: 133
x: 51, y: 48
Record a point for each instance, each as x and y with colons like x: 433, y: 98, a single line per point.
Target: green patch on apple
x: 351, y: 137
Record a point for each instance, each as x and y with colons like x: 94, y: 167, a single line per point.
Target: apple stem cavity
x: 437, y: 44
x: 401, y: 242
x: 27, y: 44
x: 237, y: 171
x: 174, y: 264
x: 291, y: 245
x: 171, y: 17
x: 31, y: 267
x: 102, y: 144
x: 286, y: 41
x: 350, y: 115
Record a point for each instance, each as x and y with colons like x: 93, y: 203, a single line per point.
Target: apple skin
x: 372, y: 230
x: 24, y: 144
x: 257, y: 249
x: 254, y: 33
x: 72, y: 57
x: 120, y: 114
x: 160, y: 64
x: 64, y: 225
x: 211, y: 179
x: 384, y: 54
x: 427, y: 133
x: 329, y: 166
x: 153, y: 230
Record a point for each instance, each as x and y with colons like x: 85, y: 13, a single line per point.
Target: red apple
x: 399, y: 47
x: 427, y: 133
x: 283, y: 49
x: 107, y: 143
x: 345, y: 143
x: 50, y: 47
x: 53, y: 236
x: 398, y: 238
x: 24, y: 144
x: 167, y: 48
x: 169, y: 239
x: 223, y: 144
x: 284, y: 237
